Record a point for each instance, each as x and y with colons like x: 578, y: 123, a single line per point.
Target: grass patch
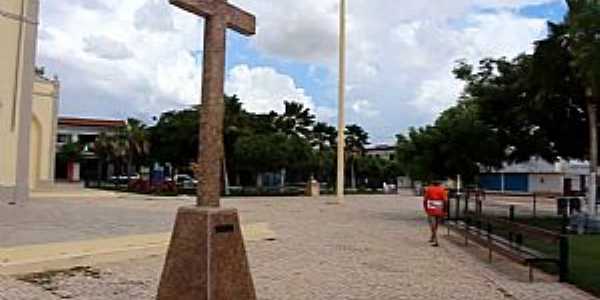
x: 584, y: 271
x: 585, y: 263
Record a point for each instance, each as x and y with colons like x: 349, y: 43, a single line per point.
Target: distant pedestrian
x: 434, y: 201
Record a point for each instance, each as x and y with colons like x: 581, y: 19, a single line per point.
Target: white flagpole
x: 341, y: 103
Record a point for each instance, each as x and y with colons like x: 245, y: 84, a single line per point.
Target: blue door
x: 491, y: 182
x: 516, y: 182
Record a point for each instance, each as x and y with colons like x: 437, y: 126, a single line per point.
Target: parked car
x: 185, y: 181
x: 123, y: 179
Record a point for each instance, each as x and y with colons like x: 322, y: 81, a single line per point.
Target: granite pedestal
x: 206, y: 258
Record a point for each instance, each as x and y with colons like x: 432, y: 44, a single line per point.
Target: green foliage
x: 261, y: 153
x: 356, y: 139
x: 70, y: 152
x: 174, y: 138
x: 583, y: 38
x: 371, y: 171
x: 297, y: 120
x: 458, y: 143
x: 511, y: 110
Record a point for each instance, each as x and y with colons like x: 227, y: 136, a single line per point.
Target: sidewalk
x: 371, y: 248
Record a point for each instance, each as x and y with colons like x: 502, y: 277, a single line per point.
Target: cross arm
x: 203, y: 8
x: 237, y: 19
x: 241, y: 21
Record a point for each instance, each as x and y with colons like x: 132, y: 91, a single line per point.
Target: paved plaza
x: 372, y: 247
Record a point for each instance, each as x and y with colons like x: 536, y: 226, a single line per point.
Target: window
x: 63, y: 139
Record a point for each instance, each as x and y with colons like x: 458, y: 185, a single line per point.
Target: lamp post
x: 341, y: 105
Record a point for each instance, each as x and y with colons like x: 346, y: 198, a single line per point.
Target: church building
x: 28, y: 105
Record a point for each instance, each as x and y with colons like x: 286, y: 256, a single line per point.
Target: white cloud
x: 154, y: 16
x: 136, y: 52
x: 400, y: 54
x: 263, y: 89
x: 106, y: 48
x: 364, y: 107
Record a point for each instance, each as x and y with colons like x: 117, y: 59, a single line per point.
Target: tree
x: 137, y: 142
x: 501, y: 93
x: 174, y: 138
x: 356, y: 141
x: 238, y: 123
x: 567, y: 68
x: 103, y: 148
x: 297, y: 120
x: 583, y: 39
x: 459, y: 142
x: 261, y: 153
x: 324, y: 139
x: 70, y: 152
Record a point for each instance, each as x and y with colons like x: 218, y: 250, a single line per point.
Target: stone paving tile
x: 49, y: 221
x: 371, y: 248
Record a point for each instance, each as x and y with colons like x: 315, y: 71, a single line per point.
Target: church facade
x: 18, y: 33
x: 43, y: 132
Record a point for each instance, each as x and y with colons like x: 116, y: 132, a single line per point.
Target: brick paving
x: 373, y: 247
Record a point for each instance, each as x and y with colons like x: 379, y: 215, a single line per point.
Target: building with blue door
x: 538, y: 176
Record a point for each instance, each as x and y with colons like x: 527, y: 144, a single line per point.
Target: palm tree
x: 102, y: 147
x: 296, y: 120
x: 356, y: 141
x: 137, y: 144
x: 323, y: 136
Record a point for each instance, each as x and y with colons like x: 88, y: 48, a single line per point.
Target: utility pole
x: 341, y: 105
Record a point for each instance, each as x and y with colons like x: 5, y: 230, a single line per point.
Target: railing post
x: 565, y: 223
x: 489, y: 236
x: 564, y: 259
x: 457, y: 208
x: 511, y: 213
x: 467, y: 222
x: 519, y: 240
x: 534, y: 205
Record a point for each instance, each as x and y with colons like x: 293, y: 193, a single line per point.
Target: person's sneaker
x: 435, y: 244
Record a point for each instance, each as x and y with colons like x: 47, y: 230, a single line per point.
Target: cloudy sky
x: 138, y: 58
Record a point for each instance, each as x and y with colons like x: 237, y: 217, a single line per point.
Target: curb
x: 60, y: 256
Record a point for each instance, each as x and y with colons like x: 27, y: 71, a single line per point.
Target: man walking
x: 434, y: 201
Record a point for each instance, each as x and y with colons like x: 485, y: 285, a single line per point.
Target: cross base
x: 206, y: 258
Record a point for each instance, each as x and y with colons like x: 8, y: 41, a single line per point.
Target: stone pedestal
x: 206, y: 258
x: 313, y: 189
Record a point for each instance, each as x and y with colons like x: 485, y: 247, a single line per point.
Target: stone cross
x: 219, y: 16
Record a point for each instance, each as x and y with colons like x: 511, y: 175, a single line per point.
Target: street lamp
x: 341, y: 104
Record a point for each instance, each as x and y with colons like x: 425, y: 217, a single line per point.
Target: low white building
x: 385, y: 152
x: 539, y: 176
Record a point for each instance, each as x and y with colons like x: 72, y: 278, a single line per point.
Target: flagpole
x: 341, y: 104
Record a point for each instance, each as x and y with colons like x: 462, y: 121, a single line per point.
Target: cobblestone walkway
x: 370, y: 248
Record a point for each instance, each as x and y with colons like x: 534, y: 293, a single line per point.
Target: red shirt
x: 437, y: 194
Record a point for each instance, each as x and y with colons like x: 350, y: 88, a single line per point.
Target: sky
x: 138, y: 58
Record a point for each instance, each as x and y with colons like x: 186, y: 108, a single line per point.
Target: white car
x: 185, y: 181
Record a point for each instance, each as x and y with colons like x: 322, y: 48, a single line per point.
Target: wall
x: 43, y: 132
x: 546, y: 183
x: 18, y: 32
